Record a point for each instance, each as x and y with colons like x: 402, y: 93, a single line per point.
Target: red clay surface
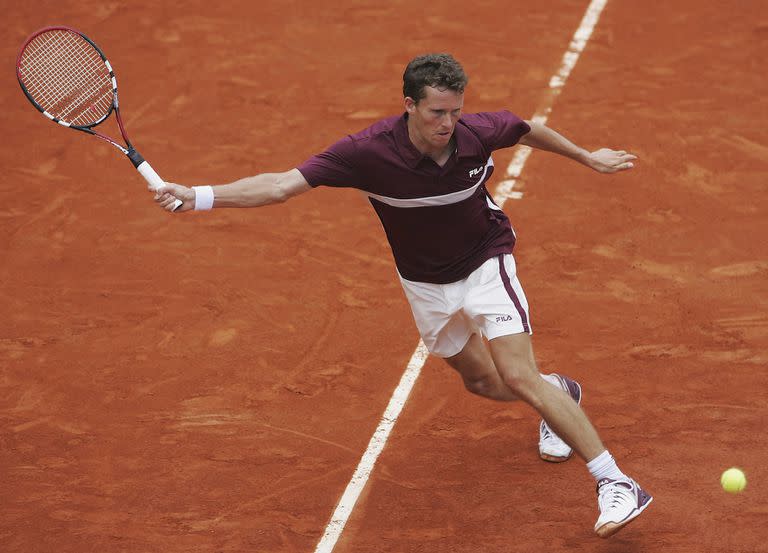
x: 208, y: 382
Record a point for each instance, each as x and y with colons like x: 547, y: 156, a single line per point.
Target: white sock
x: 604, y: 466
x: 552, y: 379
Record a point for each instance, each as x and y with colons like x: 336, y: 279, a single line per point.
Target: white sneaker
x: 620, y: 501
x: 551, y: 447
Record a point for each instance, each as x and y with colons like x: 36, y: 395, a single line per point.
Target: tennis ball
x: 733, y: 480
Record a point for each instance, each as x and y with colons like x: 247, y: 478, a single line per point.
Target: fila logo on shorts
x: 489, y: 301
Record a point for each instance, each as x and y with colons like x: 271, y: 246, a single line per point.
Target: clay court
x: 208, y: 382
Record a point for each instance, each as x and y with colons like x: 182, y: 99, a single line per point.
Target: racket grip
x: 146, y: 171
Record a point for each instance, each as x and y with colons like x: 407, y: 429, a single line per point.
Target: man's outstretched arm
x: 264, y: 189
x: 603, y: 160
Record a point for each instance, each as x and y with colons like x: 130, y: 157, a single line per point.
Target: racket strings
x: 66, y: 76
x: 77, y: 68
x: 72, y: 67
x: 70, y: 79
x: 48, y: 95
x: 55, y: 64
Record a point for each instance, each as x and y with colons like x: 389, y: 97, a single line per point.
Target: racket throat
x: 145, y: 169
x: 135, y: 157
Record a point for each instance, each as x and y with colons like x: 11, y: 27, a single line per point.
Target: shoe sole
x: 610, y: 528
x: 552, y: 458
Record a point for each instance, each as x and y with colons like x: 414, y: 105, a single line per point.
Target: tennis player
x: 425, y: 173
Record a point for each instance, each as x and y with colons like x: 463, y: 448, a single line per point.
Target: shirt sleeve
x: 499, y: 129
x: 334, y: 167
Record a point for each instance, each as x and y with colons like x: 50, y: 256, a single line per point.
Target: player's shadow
x: 618, y: 545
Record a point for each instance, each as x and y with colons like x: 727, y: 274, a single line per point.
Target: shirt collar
x: 413, y: 156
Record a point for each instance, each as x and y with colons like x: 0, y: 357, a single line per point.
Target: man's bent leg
x: 513, y: 357
x: 475, y: 365
x: 620, y: 499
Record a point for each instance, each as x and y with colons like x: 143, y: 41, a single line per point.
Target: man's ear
x: 410, y: 104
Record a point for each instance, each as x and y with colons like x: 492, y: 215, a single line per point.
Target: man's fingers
x: 610, y: 161
x: 165, y: 200
x: 169, y: 204
x: 616, y: 167
x: 624, y: 161
x: 169, y: 193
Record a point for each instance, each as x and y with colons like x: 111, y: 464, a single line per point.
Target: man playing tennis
x: 425, y: 173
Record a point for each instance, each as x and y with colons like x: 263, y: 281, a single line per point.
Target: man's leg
x: 477, y: 370
x: 514, y: 360
x: 620, y: 499
x: 508, y: 372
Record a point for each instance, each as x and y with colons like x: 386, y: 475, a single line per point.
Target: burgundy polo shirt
x: 441, y: 222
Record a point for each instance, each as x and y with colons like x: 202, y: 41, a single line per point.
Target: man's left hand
x: 606, y: 160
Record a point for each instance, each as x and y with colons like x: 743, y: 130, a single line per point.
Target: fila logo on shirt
x: 477, y: 171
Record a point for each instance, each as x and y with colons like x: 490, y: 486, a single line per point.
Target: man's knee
x: 522, y: 378
x: 482, y: 386
x: 487, y: 386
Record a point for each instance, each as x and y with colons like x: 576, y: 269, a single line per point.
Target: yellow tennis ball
x: 733, y: 480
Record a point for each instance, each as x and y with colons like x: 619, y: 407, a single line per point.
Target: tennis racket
x: 68, y: 78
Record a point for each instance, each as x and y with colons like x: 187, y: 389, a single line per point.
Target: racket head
x: 67, y: 77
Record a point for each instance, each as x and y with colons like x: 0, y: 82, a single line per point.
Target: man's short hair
x: 441, y: 71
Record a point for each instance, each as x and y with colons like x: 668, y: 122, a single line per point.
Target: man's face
x: 432, y: 120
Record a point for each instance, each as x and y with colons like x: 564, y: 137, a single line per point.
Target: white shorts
x: 490, y: 301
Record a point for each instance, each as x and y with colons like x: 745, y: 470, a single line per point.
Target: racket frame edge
x: 138, y: 161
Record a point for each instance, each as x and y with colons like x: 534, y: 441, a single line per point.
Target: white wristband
x: 203, y: 197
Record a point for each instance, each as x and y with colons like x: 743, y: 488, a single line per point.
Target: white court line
x: 579, y: 41
x: 379, y: 439
x: 364, y: 468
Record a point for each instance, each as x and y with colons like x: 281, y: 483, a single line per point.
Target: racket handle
x: 146, y: 171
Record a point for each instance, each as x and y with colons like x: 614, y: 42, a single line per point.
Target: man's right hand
x: 167, y: 194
